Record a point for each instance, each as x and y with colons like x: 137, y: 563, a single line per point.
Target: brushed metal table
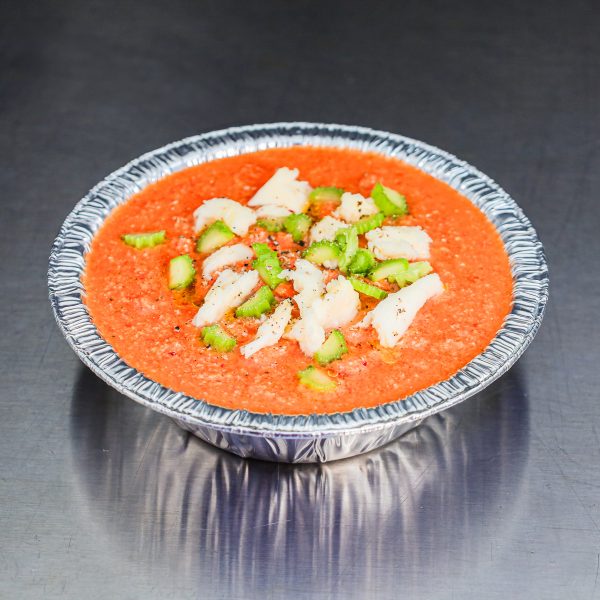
x: 496, y: 498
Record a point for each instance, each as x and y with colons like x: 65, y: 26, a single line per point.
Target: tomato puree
x: 150, y: 327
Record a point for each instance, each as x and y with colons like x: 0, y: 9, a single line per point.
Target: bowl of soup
x: 298, y: 292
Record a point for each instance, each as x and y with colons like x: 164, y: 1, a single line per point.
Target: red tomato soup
x: 150, y: 326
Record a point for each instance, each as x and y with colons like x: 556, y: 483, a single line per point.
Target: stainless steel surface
x: 504, y: 505
x: 307, y: 438
x: 342, y: 525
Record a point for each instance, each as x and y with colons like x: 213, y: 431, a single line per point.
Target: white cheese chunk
x: 390, y: 241
x: 308, y: 281
x: 394, y: 315
x: 270, y: 332
x: 223, y: 257
x: 271, y: 211
x: 229, y: 291
x: 236, y: 216
x: 283, y: 189
x: 308, y: 332
x: 354, y: 207
x: 339, y: 305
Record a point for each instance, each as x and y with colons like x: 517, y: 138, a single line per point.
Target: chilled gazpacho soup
x: 299, y: 280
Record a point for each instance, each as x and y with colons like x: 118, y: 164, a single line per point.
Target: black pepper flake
x: 177, y: 328
x: 301, y: 243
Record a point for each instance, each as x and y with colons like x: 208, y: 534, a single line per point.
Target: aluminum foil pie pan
x: 317, y: 437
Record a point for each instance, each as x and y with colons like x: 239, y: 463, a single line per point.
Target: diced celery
x: 181, y: 272
x: 215, y: 337
x: 316, y: 379
x: 213, y: 237
x: 144, y: 240
x: 362, y: 262
x: 297, y: 226
x: 322, y: 252
x: 389, y: 201
x: 326, y: 194
x: 371, y: 222
x: 413, y: 272
x: 347, y: 240
x: 362, y: 287
x: 389, y: 268
x: 333, y: 348
x: 271, y: 225
x: 267, y: 264
x: 259, y: 303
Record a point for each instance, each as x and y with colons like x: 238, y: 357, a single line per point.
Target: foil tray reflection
x: 365, y: 527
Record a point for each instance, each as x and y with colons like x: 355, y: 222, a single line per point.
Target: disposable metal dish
x: 318, y: 437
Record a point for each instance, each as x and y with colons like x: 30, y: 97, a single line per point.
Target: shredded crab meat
x: 308, y: 281
x: 307, y: 331
x: 325, y: 229
x: 223, y: 257
x: 272, y: 211
x: 236, y: 216
x: 391, y: 241
x: 394, y: 315
x: 354, y: 207
x: 339, y: 305
x: 322, y: 307
x: 229, y: 291
x: 270, y: 332
x: 283, y: 189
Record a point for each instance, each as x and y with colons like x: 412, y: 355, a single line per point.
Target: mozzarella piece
x: 354, y: 207
x: 271, y: 211
x: 399, y: 242
x: 308, y: 332
x: 283, y: 189
x: 229, y: 291
x: 270, y: 332
x: 236, y: 216
x: 339, y: 305
x: 228, y: 255
x: 308, y: 281
x: 394, y: 315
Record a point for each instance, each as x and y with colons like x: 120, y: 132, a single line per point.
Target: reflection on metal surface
x: 243, y: 528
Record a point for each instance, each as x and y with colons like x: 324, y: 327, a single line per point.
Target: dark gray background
x: 499, y: 498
